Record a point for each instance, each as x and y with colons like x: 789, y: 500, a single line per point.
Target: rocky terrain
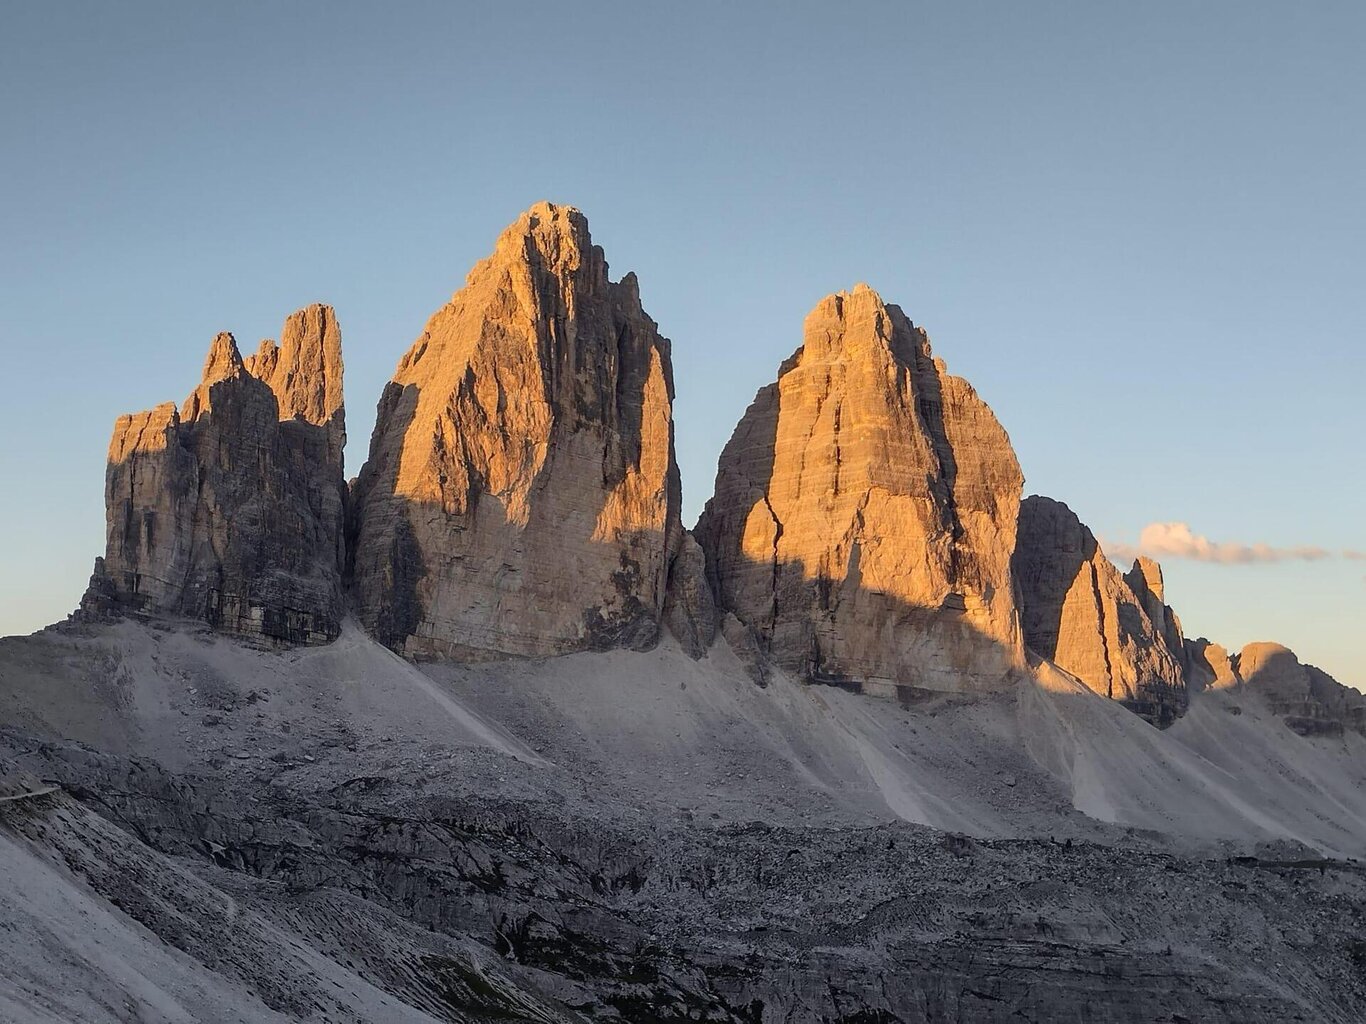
x: 487, y: 735
x: 337, y: 835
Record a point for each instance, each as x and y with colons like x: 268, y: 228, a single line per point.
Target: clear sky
x: 1138, y: 229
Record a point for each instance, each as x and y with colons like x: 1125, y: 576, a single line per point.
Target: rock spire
x: 521, y: 495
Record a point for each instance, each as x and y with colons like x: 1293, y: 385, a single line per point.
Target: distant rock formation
x: 231, y: 510
x: 864, y: 512
x: 1311, y: 701
x: 1111, y: 631
x: 521, y: 495
x: 1209, y: 666
x: 1145, y: 580
x: 521, y: 498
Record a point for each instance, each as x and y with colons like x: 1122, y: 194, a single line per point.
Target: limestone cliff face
x: 865, y: 509
x: 1079, y: 612
x: 1311, y: 701
x: 230, y: 510
x: 521, y: 495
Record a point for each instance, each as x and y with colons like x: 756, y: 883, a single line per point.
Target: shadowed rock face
x: 1079, y: 612
x: 864, y: 512
x: 230, y: 510
x: 689, y: 606
x: 521, y: 495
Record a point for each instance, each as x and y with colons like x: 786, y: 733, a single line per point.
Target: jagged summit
x: 223, y: 362
x: 521, y: 494
x: 231, y: 510
x: 864, y: 511
x: 305, y: 372
x: 1311, y: 702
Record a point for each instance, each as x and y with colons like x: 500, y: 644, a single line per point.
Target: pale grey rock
x: 746, y: 647
x: 689, y: 608
x: 1209, y: 666
x: 1311, y: 701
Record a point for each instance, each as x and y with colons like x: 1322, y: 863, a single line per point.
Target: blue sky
x: 1139, y: 230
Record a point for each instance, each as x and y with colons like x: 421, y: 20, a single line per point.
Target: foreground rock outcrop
x: 231, y: 509
x: 1079, y: 612
x: 521, y: 495
x: 864, y: 512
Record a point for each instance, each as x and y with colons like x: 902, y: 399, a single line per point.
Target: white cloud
x: 1178, y: 540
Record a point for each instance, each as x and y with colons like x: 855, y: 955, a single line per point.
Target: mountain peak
x: 223, y: 360
x: 526, y: 437
x: 222, y: 363
x: 232, y: 512
x: 864, y: 512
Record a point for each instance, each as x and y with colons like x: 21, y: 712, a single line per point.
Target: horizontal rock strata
x: 1311, y: 701
x: 864, y: 512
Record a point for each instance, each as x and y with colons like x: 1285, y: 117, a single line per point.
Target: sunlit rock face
x: 865, y: 510
x: 1079, y: 612
x: 231, y: 509
x: 1311, y: 701
x: 521, y: 495
x: 1209, y: 666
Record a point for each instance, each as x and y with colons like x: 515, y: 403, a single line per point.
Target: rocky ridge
x: 343, y: 834
x: 521, y: 498
x: 1311, y: 702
